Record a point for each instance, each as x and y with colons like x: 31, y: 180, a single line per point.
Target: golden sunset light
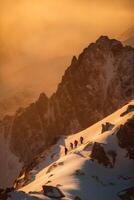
x: 67, y: 100
x: 41, y: 36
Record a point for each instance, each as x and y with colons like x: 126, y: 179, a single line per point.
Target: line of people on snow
x: 74, y: 145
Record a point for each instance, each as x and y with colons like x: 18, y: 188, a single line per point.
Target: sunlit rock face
x: 94, y: 85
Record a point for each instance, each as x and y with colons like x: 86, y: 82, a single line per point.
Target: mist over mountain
x: 95, y: 84
x: 36, y: 45
x: 128, y: 36
x: 10, y: 103
x: 11, y: 100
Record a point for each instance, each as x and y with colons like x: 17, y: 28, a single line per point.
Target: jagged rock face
x: 29, y: 128
x: 125, y: 137
x: 96, y: 84
x: 122, y: 85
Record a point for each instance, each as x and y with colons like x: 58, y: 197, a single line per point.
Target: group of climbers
x: 74, y: 145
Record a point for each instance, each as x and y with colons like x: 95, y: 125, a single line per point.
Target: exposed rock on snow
x: 125, y: 137
x: 78, y: 172
x: 52, y: 192
x: 53, y: 166
x: 106, y: 127
x: 113, y: 155
x: 24, y: 175
x: 130, y: 108
x: 99, y: 154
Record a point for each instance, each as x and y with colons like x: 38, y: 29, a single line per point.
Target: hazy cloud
x: 39, y: 37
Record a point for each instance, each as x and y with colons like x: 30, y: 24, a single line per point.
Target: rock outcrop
x: 129, y: 109
x: 125, y: 137
x: 99, y: 154
x: 52, y: 192
x: 106, y: 127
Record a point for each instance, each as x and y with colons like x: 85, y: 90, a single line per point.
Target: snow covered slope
x: 99, y: 169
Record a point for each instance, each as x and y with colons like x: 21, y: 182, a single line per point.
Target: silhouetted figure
x: 75, y: 143
x: 66, y: 150
x: 71, y: 145
x: 81, y: 140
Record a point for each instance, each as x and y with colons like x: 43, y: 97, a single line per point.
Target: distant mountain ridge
x: 11, y: 103
x: 96, y: 83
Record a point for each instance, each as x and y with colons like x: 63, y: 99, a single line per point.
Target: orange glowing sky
x: 39, y: 37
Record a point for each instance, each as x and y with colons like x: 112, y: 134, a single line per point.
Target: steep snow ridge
x: 95, y: 129
x: 76, y: 174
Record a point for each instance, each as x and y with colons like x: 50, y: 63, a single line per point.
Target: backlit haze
x: 38, y: 38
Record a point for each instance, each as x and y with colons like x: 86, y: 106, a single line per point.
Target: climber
x: 66, y: 150
x: 75, y: 143
x: 71, y: 145
x: 81, y: 140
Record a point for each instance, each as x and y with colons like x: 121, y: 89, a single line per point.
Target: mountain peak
x: 43, y: 97
x: 102, y: 38
x: 42, y: 102
x: 74, y: 60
